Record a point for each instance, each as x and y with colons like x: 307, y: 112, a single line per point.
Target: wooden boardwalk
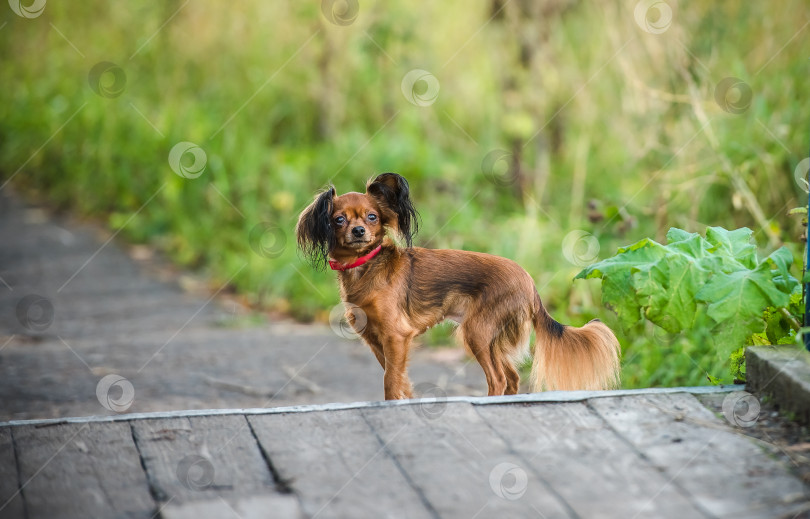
x: 102, y: 313
x: 626, y: 454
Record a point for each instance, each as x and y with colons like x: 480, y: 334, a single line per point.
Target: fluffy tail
x: 570, y: 358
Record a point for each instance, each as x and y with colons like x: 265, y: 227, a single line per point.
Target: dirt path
x: 87, y: 329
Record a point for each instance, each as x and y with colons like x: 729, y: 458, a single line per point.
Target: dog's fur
x: 403, y: 291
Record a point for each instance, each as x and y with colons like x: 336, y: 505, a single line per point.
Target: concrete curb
x: 783, y: 374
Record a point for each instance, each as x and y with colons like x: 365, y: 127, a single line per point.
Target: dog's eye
x: 340, y: 220
x: 372, y: 217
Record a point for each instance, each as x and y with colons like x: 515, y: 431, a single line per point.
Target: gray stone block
x: 783, y: 374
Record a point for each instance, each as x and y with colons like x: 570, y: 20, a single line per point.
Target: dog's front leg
x: 376, y: 348
x: 397, y: 384
x: 366, y: 331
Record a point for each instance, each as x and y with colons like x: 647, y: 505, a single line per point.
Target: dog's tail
x: 570, y: 358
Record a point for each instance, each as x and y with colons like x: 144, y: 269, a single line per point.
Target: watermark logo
x: 580, y: 248
x: 27, y: 11
x: 104, y: 393
x: 340, y: 12
x: 499, y: 168
x: 800, y: 175
x: 348, y: 320
x: 420, y: 87
x: 508, y: 481
x: 185, y: 170
x: 661, y: 336
x: 432, y: 400
x: 195, y: 472
x: 733, y: 95
x: 267, y: 240
x: 741, y: 408
x: 35, y: 312
x: 653, y: 16
x: 107, y: 79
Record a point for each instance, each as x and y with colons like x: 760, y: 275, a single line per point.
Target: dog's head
x: 355, y: 223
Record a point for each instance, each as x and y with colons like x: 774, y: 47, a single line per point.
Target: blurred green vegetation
x: 605, y: 128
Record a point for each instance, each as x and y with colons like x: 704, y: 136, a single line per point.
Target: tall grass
x: 611, y: 130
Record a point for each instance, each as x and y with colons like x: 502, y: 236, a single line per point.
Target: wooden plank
x: 336, y: 464
x: 585, y: 462
x: 202, y: 458
x: 725, y: 473
x: 82, y: 471
x: 461, y: 466
x: 282, y: 506
x: 11, y: 503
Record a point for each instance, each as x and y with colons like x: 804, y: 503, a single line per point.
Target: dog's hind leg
x: 512, y: 350
x: 479, y: 339
x: 512, y: 376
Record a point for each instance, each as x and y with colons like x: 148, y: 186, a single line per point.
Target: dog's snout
x: 359, y: 231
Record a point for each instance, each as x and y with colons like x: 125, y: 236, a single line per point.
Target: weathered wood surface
x: 460, y: 465
x: 337, y: 465
x: 191, y: 459
x: 249, y: 507
x: 631, y: 456
x: 586, y: 462
x: 11, y: 504
x: 81, y: 471
x: 691, y: 447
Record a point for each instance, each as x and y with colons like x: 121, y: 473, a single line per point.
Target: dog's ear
x: 316, y: 237
x: 392, y: 193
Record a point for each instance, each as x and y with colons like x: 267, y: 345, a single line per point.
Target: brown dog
x: 405, y: 291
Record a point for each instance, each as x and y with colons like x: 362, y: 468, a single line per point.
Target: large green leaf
x: 618, y: 293
x: 736, y: 244
x: 674, y: 234
x: 619, y: 297
x: 741, y: 295
x: 643, y: 251
x: 726, y: 338
x: 691, y: 244
x: 714, y: 286
x: 780, y: 261
x: 670, y: 287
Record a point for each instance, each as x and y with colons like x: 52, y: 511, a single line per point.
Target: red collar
x: 334, y: 265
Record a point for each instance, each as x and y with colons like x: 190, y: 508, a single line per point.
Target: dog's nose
x: 359, y: 231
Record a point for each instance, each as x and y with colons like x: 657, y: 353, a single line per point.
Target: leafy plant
x: 715, y: 285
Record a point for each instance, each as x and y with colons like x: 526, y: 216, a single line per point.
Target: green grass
x: 618, y: 133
